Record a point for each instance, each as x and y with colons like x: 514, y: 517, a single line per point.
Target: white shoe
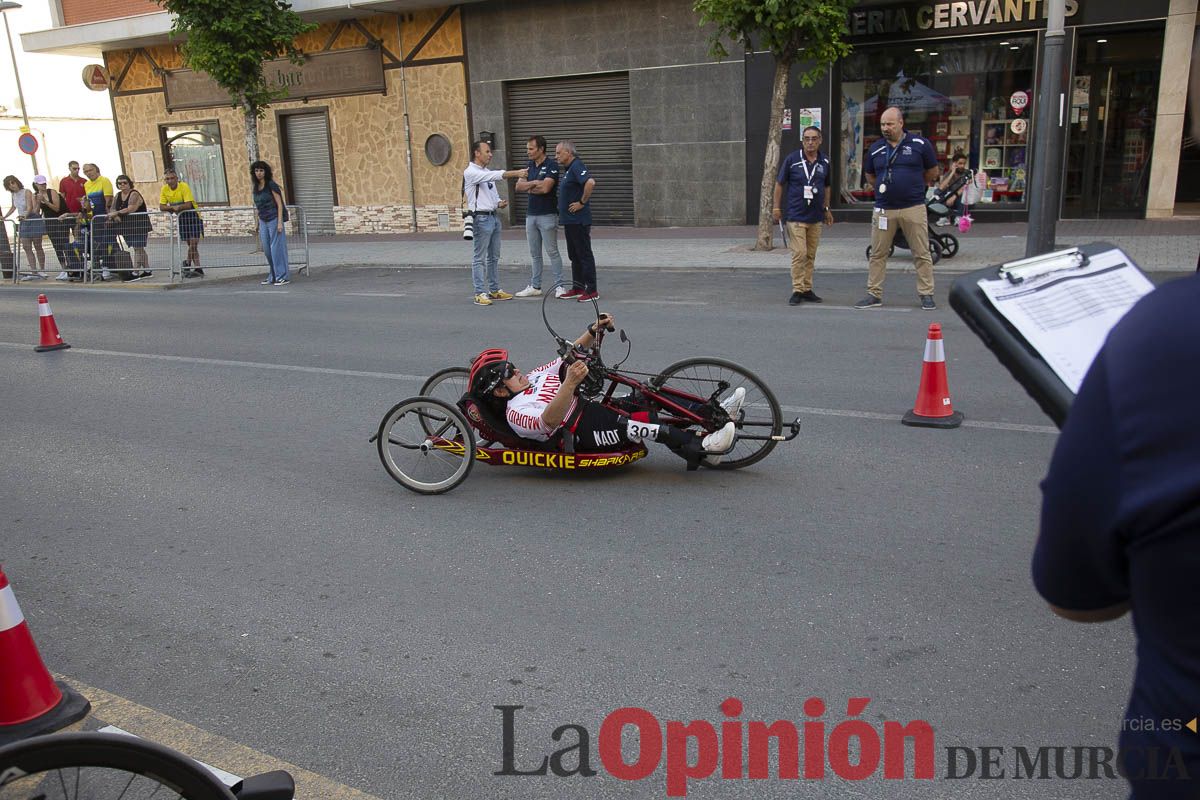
x: 941, y: 223
x: 733, y: 403
x: 31, y: 276
x: 62, y: 276
x: 559, y: 291
x: 105, y: 275
x: 719, y: 442
x: 529, y: 291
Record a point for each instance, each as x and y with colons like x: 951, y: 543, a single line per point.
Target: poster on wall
x: 853, y: 98
x: 787, y: 119
x: 808, y: 117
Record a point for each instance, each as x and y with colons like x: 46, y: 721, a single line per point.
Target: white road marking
x: 374, y: 294
x: 264, y: 290
x: 666, y: 302
x: 227, y: 778
x: 399, y: 376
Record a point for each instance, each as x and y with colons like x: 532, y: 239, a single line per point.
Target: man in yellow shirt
x: 176, y: 198
x: 97, y: 202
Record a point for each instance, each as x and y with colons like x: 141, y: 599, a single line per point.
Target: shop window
x: 972, y: 96
x: 193, y: 149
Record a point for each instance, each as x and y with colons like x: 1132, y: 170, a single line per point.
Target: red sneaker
x: 587, y: 297
x: 571, y: 294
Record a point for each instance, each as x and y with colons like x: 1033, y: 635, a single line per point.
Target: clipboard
x: 1022, y: 359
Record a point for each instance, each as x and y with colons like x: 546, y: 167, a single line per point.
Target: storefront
x: 965, y: 75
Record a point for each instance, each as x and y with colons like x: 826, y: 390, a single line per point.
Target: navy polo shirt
x: 1121, y: 519
x: 570, y: 190
x: 543, y: 203
x: 795, y: 173
x: 906, y: 181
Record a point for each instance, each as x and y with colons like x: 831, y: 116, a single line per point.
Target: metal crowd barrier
x: 151, y: 241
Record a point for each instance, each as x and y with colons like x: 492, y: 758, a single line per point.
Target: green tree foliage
x: 808, y: 33
x: 230, y: 40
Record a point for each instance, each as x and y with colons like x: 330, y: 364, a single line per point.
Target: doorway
x: 1110, y: 140
x: 308, y: 165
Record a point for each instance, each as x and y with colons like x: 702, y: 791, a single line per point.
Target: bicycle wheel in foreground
x: 102, y: 766
x: 426, y: 445
x: 760, y: 415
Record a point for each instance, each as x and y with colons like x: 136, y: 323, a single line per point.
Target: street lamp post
x: 8, y: 5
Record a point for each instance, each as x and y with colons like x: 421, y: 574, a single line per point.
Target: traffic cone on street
x: 51, y: 339
x: 31, y: 703
x: 933, y: 408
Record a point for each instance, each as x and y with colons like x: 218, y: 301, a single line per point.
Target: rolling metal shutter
x: 593, y: 111
x: 310, y: 169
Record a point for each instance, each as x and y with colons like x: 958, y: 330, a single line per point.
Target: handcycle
x: 111, y: 766
x: 428, y: 443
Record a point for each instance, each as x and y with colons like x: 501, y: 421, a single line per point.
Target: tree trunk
x: 251, y: 116
x: 771, y: 158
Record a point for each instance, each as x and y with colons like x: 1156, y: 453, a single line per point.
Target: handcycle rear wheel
x: 447, y: 385
x: 102, y: 766
x: 426, y: 445
x: 760, y: 415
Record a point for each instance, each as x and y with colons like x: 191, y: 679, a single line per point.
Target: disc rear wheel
x: 760, y: 415
x: 426, y: 445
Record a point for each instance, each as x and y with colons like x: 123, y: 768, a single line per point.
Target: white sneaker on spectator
x: 943, y: 222
x: 62, y: 276
x: 31, y: 276
x: 733, y: 403
x: 559, y: 291
x: 718, y: 442
x: 105, y: 275
x: 529, y: 291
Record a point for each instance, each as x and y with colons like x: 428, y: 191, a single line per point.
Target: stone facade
x: 375, y: 178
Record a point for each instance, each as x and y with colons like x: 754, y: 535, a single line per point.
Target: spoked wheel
x: 102, y: 766
x: 935, y: 251
x: 949, y: 245
x: 447, y: 385
x: 760, y: 415
x: 426, y: 445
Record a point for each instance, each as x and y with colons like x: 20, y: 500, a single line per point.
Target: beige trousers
x: 803, y: 240
x: 915, y: 224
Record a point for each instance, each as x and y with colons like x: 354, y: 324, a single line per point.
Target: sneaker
x: 733, y: 403
x: 191, y: 273
x: 134, y: 277
x: 265, y: 282
x: 570, y: 294
x: 482, y: 299
x: 32, y: 276
x: 796, y: 299
x: 529, y: 291
x: 197, y: 273
x: 942, y: 223
x: 560, y: 291
x: 282, y: 282
x: 588, y: 297
x: 62, y: 276
x: 927, y: 303
x: 500, y: 294
x: 811, y: 297
x: 870, y: 301
x: 718, y: 443
x: 105, y: 275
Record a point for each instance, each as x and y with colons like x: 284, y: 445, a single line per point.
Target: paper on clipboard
x: 1066, y: 312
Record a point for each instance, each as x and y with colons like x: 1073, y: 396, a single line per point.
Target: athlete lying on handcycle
x: 539, y: 404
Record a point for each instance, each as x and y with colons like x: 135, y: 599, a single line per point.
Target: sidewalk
x: 1156, y: 246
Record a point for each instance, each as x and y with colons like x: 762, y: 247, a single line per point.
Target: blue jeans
x: 487, y: 249
x: 274, y: 247
x: 540, y: 230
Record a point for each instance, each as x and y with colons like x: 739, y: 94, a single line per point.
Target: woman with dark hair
x: 272, y: 214
x: 129, y: 217
x: 30, y: 227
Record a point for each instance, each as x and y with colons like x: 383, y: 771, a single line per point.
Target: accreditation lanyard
x: 892, y: 160
x: 810, y: 191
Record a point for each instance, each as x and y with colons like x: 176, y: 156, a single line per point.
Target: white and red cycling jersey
x: 524, y: 411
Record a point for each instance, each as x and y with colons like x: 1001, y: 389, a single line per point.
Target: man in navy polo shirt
x: 574, y: 192
x: 1120, y: 527
x: 541, y: 218
x: 805, y: 173
x: 899, y: 166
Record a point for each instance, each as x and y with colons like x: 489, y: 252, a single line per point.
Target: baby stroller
x: 941, y: 245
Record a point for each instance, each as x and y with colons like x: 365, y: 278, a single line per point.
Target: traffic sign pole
x: 20, y: 92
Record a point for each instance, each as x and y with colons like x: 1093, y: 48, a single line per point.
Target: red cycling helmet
x: 487, y: 371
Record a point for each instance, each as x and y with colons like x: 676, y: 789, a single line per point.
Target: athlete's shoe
x: 560, y: 291
x: 718, y: 442
x: 500, y: 294
x: 482, y: 300
x: 733, y: 403
x: 529, y: 291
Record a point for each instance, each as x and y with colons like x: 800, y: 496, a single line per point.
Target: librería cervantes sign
x: 329, y: 74
x: 923, y: 19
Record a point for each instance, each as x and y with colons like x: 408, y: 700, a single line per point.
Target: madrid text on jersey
x: 963, y: 14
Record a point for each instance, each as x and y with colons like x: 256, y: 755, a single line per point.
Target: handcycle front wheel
x: 447, y: 385
x: 760, y: 415
x: 102, y: 766
x: 426, y: 445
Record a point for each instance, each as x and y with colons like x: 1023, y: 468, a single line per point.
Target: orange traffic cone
x: 51, y: 339
x: 933, y: 408
x: 31, y: 703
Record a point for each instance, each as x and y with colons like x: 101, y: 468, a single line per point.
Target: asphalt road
x: 193, y: 519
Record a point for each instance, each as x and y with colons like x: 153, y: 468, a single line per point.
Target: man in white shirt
x: 537, y: 405
x: 479, y: 185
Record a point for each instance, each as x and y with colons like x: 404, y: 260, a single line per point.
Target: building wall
x: 77, y: 12
x: 374, y: 181
x: 687, y: 109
